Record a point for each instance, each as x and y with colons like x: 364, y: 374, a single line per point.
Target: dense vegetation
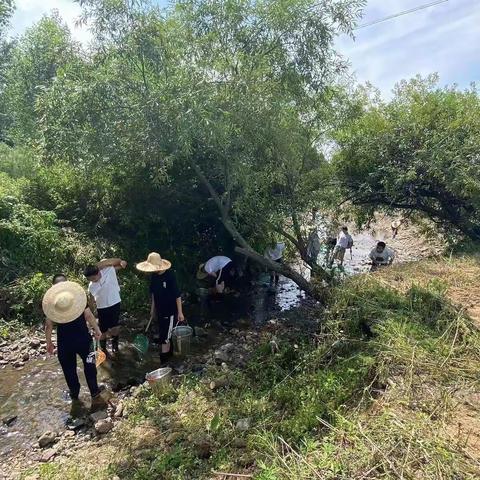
x: 417, y: 154
x: 336, y: 404
x: 200, y: 129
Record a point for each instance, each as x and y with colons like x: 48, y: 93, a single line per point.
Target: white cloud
x: 29, y: 12
x: 442, y: 38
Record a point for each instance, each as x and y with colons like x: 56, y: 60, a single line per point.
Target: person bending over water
x: 221, y: 269
x: 381, y: 256
x: 65, y: 305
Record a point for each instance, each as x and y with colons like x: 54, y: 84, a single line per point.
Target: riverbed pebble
x: 103, y: 426
x: 119, y: 410
x: 48, y: 438
x: 97, y: 416
x: 35, y: 343
x: 47, y: 455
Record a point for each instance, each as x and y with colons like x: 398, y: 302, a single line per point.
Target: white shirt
x: 215, y: 264
x: 383, y: 258
x: 344, y: 240
x: 275, y: 253
x: 106, y: 291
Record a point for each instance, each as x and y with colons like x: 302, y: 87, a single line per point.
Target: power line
x: 399, y: 14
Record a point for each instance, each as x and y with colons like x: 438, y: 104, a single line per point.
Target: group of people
x: 67, y: 305
x: 380, y: 255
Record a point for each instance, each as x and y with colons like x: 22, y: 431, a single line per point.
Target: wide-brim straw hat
x: 154, y: 263
x: 64, y: 302
x: 396, y: 223
x: 201, y: 273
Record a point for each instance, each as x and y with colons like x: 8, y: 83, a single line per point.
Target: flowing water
x: 36, y: 393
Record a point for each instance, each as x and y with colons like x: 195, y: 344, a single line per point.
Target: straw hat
x: 154, y: 263
x: 396, y: 223
x: 64, y: 302
x: 201, y: 273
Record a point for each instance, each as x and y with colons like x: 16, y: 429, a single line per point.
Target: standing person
x: 65, y: 305
x: 395, y: 225
x: 381, y: 256
x: 313, y: 245
x: 166, y: 300
x: 104, y: 289
x: 221, y: 268
x: 275, y: 253
x: 344, y: 241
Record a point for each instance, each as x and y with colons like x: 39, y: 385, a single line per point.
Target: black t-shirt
x: 165, y: 293
x: 76, y: 330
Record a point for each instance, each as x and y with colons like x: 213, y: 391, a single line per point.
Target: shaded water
x: 36, y: 393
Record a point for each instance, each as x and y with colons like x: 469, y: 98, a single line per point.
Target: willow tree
x: 239, y: 93
x: 416, y: 154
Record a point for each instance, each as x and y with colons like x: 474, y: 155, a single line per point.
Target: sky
x: 444, y: 38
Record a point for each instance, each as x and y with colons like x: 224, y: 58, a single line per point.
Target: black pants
x: 67, y: 355
x: 274, y: 276
x: 165, y: 326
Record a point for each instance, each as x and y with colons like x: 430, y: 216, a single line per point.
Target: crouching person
x: 381, y: 256
x: 65, y: 305
x: 166, y: 301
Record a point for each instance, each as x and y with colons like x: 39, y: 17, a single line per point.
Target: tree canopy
x: 418, y: 154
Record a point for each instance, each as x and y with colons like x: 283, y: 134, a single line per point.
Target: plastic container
x: 181, y: 339
x: 159, y: 379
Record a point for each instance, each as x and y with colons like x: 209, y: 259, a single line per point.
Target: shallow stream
x: 36, y: 395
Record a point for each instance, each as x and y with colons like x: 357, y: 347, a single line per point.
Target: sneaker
x: 77, y: 409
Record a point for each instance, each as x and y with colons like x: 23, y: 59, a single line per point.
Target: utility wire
x: 399, y: 14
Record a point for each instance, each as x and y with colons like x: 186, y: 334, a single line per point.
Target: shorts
x: 108, y: 317
x: 339, y: 253
x: 165, y: 327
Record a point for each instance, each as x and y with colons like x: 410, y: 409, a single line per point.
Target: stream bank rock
x: 103, y: 426
x: 243, y: 424
x: 47, y: 439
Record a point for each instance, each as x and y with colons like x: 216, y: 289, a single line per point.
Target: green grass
x: 334, y: 404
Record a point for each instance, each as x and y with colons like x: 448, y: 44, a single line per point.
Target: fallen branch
x: 242, y: 475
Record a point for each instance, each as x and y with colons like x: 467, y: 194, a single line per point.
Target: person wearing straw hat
x: 166, y: 300
x: 65, y: 305
x: 104, y: 288
x: 221, y: 268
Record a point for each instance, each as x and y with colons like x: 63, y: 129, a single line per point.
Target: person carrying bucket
x: 65, y: 305
x: 166, y: 301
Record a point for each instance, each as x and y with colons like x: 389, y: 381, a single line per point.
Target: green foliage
x: 416, y: 154
x: 312, y: 405
x: 45, y: 51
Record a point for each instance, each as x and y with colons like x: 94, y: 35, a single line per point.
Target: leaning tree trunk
x: 244, y: 247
